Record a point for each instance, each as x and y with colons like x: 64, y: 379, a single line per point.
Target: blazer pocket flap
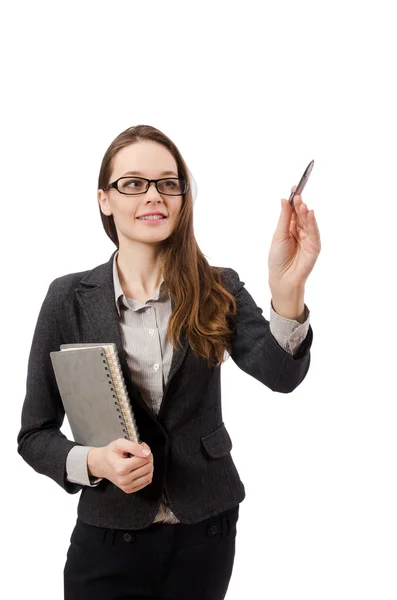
x: 217, y: 443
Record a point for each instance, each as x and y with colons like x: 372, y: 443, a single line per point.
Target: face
x: 151, y: 160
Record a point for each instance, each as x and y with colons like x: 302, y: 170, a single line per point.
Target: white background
x: 252, y: 89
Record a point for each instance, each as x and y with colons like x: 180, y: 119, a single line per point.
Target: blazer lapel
x: 96, y: 296
x: 177, y: 355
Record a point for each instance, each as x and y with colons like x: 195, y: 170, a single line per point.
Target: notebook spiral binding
x: 118, y: 382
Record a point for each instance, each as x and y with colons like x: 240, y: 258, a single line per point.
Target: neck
x: 139, y: 267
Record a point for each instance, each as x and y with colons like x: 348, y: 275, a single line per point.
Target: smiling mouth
x: 154, y: 218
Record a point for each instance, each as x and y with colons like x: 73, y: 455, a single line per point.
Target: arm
x: 256, y: 351
x: 77, y: 467
x: 289, y: 333
x: 40, y: 441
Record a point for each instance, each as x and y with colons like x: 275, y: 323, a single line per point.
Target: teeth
x: 152, y: 217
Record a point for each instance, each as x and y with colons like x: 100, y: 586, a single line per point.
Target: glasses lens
x: 132, y: 185
x: 172, y: 187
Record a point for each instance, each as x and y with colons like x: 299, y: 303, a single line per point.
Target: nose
x: 152, y: 193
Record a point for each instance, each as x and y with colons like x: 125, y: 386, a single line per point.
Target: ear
x: 104, y: 203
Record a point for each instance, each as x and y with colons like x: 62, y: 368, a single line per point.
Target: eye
x: 170, y: 183
x: 132, y: 183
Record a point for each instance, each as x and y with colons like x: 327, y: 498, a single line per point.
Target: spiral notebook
x: 93, y: 392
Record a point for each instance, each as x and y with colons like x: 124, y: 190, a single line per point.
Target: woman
x: 158, y: 519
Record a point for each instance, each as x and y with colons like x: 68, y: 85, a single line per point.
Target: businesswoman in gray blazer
x: 158, y: 519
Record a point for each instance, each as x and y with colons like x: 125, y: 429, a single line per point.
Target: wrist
x: 289, y: 304
x: 94, y: 462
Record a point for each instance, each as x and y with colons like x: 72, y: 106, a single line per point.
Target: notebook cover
x: 89, y: 402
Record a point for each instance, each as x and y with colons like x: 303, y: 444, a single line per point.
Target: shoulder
x: 60, y: 292
x: 65, y: 282
x: 229, y: 277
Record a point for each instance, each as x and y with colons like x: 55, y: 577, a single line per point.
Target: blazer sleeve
x: 40, y: 441
x: 256, y: 351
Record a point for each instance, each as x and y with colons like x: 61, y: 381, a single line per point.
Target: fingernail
x: 145, y: 451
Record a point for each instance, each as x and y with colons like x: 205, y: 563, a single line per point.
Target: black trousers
x: 162, y: 562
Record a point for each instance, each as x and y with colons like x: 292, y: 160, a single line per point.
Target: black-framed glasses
x: 170, y: 186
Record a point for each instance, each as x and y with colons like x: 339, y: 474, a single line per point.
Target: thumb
x: 284, y: 221
x: 144, y: 448
x: 124, y: 446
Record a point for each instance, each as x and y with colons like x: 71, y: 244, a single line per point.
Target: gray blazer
x: 190, y: 443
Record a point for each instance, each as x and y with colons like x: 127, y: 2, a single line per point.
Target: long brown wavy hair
x: 203, y: 305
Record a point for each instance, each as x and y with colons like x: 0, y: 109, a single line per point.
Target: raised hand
x: 295, y: 246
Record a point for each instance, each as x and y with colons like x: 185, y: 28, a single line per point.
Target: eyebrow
x: 139, y: 173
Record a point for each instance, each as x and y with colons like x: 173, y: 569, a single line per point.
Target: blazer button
x: 127, y: 537
x: 213, y: 530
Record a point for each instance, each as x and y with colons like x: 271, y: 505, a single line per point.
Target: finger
x: 313, y: 229
x: 283, y: 225
x: 141, y: 482
x: 141, y: 472
x: 135, y: 462
x: 293, y: 230
x: 136, y: 489
x: 128, y: 479
x: 293, y: 221
x: 299, y: 221
x: 145, y: 450
x: 126, y: 446
x: 301, y: 211
x: 297, y: 200
x: 291, y: 198
x: 123, y: 468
